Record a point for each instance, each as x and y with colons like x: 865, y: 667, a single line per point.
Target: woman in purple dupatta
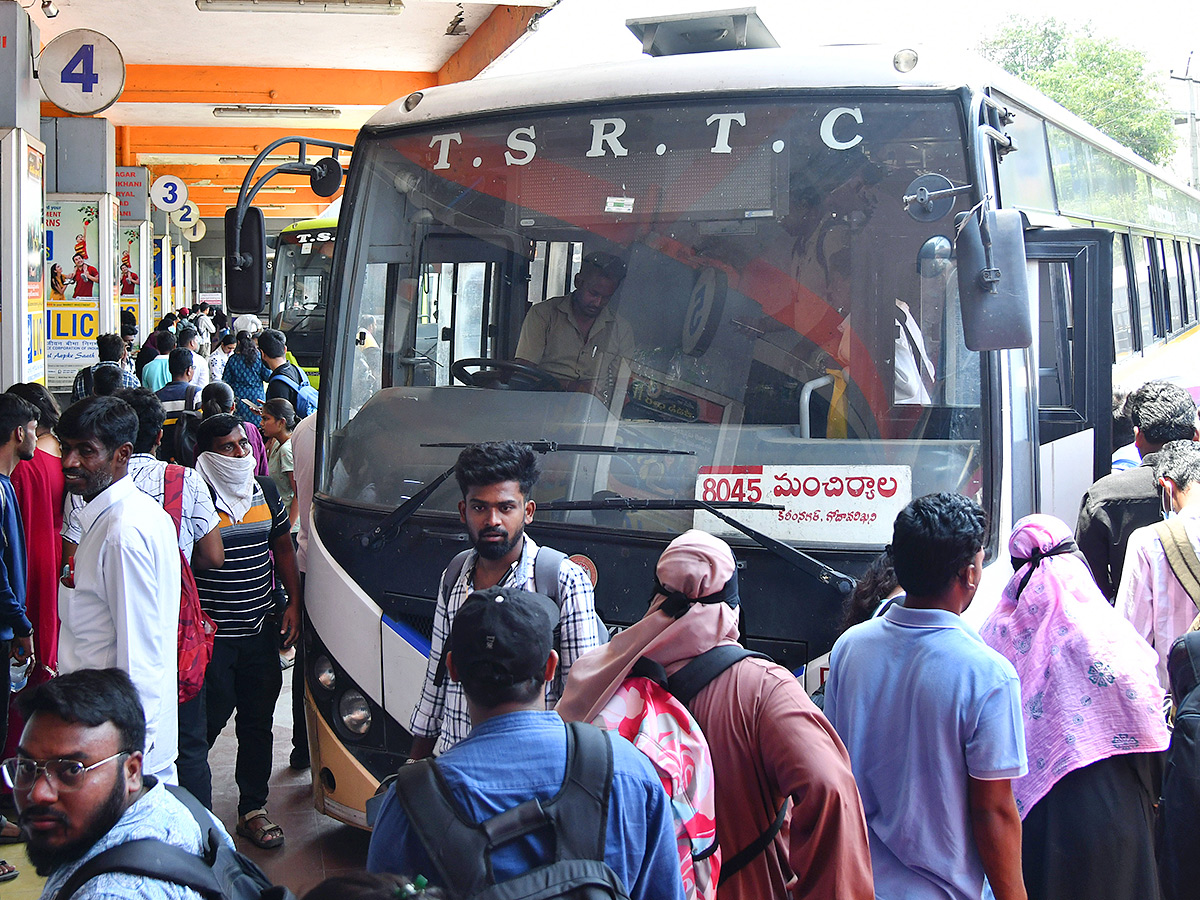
x: 1094, y: 726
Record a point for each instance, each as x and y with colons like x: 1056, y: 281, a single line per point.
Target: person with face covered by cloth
x: 1094, y: 729
x: 771, y: 747
x: 244, y: 673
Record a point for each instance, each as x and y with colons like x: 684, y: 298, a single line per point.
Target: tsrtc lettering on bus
x: 607, y: 133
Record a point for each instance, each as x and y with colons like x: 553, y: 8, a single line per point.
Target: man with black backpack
x: 97, y: 824
x: 526, y: 801
x: 496, y: 480
x: 287, y: 379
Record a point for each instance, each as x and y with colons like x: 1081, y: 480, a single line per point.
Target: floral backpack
x: 650, y: 717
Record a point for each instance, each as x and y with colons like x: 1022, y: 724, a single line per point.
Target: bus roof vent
x: 727, y: 29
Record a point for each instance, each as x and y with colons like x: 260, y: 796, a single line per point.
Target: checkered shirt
x: 442, y: 710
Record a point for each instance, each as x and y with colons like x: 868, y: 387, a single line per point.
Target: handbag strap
x: 1181, y: 556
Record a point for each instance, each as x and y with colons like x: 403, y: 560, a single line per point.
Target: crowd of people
x: 134, y: 512
x: 1033, y: 757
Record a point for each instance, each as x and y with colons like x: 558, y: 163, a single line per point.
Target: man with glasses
x: 80, y: 789
x: 121, y: 603
x: 244, y: 673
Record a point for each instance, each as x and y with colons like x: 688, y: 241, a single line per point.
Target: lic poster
x: 73, y: 276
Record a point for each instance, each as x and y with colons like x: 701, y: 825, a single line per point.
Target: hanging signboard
x: 133, y: 190
x: 82, y: 71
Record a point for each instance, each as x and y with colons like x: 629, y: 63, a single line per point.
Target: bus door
x: 1071, y: 272
x: 465, y: 290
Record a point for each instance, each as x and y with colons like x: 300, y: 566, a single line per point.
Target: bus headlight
x: 355, y: 712
x: 324, y: 674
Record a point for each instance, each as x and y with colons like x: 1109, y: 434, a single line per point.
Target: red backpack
x: 196, y: 630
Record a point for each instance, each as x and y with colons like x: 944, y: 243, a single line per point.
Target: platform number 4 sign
x: 82, y: 71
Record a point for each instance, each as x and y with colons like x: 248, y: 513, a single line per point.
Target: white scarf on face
x: 232, y: 480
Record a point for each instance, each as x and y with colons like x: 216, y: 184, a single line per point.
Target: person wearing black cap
x: 576, y: 337
x: 501, y: 650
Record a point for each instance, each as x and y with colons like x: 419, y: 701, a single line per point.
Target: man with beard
x: 79, y: 785
x: 244, y: 672
x: 121, y: 604
x: 496, y: 480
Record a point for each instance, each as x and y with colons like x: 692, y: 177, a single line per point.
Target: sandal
x: 10, y: 833
x: 260, y: 830
x: 7, y: 872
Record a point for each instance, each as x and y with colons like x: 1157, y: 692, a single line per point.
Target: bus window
x: 1123, y: 314
x: 1185, y: 289
x: 1056, y: 387
x: 1147, y: 307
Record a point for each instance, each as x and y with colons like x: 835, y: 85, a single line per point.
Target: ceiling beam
x: 499, y: 31
x: 225, y: 85
x: 224, y: 141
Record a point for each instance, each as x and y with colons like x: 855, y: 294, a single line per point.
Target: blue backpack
x: 306, y: 394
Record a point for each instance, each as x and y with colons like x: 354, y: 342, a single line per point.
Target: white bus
x: 816, y: 338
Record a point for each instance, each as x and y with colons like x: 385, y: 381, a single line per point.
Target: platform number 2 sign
x: 82, y: 71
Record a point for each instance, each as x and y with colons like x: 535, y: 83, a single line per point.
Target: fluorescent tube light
x: 385, y: 7
x: 276, y: 112
x: 269, y: 189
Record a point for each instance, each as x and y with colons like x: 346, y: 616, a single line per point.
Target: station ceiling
x: 183, y: 62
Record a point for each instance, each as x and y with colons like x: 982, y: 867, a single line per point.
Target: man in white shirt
x: 220, y: 356
x: 204, y: 326
x: 1150, y: 596
x: 188, y: 339
x: 120, y: 603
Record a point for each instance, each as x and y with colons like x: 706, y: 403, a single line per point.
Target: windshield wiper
x: 556, y: 447
x: 807, y: 564
x: 389, y: 528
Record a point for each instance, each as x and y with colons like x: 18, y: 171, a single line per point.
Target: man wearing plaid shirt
x: 496, y: 479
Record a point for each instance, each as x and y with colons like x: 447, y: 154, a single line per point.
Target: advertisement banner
x: 72, y: 308
x: 159, y: 243
x: 33, y: 336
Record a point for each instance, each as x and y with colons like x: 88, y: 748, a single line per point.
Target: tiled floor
x: 315, y: 847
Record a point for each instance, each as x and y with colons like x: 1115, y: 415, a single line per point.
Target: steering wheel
x: 504, y: 374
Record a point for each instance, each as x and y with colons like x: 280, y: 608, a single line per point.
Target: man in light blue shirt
x: 931, y: 717
x: 78, y: 783
x: 500, y: 650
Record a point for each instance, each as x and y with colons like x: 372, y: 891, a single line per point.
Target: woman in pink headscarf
x: 769, y: 744
x: 1094, y: 727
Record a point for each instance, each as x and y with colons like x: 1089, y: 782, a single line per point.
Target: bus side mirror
x: 245, y: 263
x: 992, y: 286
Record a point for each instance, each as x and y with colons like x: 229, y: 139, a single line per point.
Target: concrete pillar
x: 22, y: 191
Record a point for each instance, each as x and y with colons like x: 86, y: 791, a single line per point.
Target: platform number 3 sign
x: 82, y: 71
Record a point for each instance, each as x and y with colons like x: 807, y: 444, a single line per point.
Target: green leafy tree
x: 1098, y: 79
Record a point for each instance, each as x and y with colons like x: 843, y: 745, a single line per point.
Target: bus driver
x: 575, y: 336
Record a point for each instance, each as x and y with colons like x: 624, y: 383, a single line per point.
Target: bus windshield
x: 303, y: 261
x: 780, y: 323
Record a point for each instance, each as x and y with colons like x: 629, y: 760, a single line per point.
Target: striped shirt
x: 238, y: 595
x: 442, y: 710
x: 149, y: 474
